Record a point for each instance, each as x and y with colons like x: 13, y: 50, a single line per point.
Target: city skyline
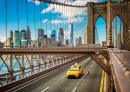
x: 78, y: 19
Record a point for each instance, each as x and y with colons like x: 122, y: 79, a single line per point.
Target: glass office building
x: 16, y: 39
x: 71, y: 33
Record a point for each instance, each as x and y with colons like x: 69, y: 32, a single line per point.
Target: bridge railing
x: 17, y: 67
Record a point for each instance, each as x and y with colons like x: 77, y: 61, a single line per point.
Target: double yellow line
x: 102, y: 80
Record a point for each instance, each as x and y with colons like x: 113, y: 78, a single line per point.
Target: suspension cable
x: 60, y: 16
x: 45, y: 18
x: 50, y: 15
x: 54, y: 17
x: 6, y: 20
x: 18, y: 23
x: 34, y: 20
x: 27, y: 11
x: 27, y: 17
x: 40, y: 15
x: 57, y: 18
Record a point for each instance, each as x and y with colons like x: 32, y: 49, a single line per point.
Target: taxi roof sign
x: 75, y: 64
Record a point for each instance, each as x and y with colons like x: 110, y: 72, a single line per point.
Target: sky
x: 52, y: 18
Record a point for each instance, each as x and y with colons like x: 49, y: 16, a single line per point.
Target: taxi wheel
x: 82, y: 73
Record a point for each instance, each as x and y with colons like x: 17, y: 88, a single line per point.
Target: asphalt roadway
x: 57, y: 81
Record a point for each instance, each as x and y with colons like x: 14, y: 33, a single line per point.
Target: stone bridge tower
x: 108, y: 11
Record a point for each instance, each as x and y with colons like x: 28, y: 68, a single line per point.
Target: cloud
x: 56, y: 21
x: 2, y: 39
x: 45, y: 20
x: 66, y: 12
x: 49, y: 31
x: 37, y: 2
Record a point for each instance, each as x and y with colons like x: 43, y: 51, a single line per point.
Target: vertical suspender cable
x: 54, y: 17
x: 27, y: 15
x: 57, y: 17
x: 45, y: 18
x: 27, y: 11
x: 50, y: 16
x: 34, y: 20
x: 60, y: 16
x: 18, y: 24
x: 6, y: 20
x: 40, y: 15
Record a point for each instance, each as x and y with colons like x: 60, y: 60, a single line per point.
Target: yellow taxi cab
x: 74, y: 71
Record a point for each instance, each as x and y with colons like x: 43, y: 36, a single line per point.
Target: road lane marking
x: 53, y: 84
x: 102, y: 80
x: 48, y: 75
x: 80, y: 80
x: 35, y: 81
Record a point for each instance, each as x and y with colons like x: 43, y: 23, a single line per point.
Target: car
x: 74, y: 71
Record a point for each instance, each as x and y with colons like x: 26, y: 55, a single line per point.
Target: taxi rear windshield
x: 73, y: 69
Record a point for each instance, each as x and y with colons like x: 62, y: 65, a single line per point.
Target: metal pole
x: 11, y: 68
x: 31, y: 64
x: 39, y: 64
x: 22, y: 70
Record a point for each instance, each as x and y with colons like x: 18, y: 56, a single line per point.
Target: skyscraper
x: 61, y: 36
x: 85, y: 36
x: 11, y: 35
x: 53, y: 38
x: 28, y: 36
x: 8, y: 42
x: 67, y: 42
x: 80, y: 40
x: 76, y: 41
x: 16, y: 39
x: 61, y: 31
x: 40, y: 35
x: 23, y: 42
x: 71, y: 34
x: 53, y: 32
x: 45, y: 40
x: 22, y: 34
x: 1, y: 44
x: 34, y: 43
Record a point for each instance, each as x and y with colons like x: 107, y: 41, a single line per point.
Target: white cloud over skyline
x: 45, y: 20
x: 2, y: 39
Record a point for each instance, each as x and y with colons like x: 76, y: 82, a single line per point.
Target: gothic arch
x: 96, y: 18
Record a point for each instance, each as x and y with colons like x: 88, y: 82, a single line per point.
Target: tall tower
x: 16, y: 39
x: 53, y: 38
x: 61, y: 36
x: 85, y: 36
x: 40, y: 33
x: 40, y: 36
x: 71, y: 34
x: 11, y: 35
x: 28, y: 36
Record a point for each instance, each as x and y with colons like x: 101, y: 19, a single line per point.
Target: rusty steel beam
x: 50, y: 50
x: 17, y: 60
x: 4, y: 62
x: 23, y: 67
x: 100, y: 63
